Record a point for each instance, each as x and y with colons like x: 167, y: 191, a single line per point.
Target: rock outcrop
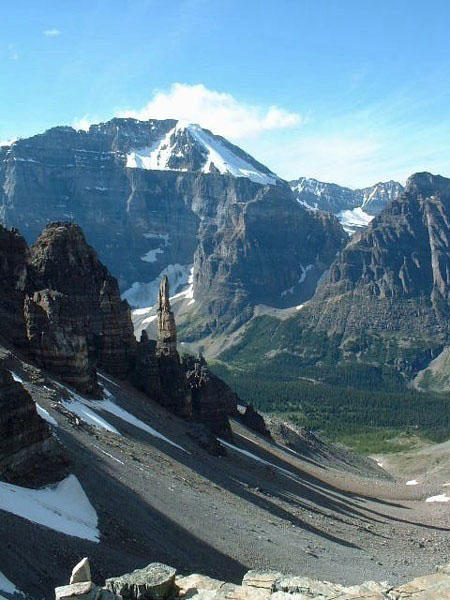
x: 155, y: 582
x: 252, y: 419
x: 29, y: 452
x: 213, y: 401
x: 176, y: 395
x: 158, y: 582
x: 13, y: 274
x: 317, y: 195
x: 76, y: 303
x: 167, y: 331
x: 145, y: 373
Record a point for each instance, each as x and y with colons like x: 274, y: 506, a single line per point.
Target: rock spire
x: 167, y: 331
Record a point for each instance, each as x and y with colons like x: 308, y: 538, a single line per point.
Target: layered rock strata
x: 28, y: 450
x: 77, y: 296
x: 148, y: 213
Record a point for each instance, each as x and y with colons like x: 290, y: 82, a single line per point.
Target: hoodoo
x: 167, y: 331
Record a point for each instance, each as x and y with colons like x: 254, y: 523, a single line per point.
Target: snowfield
x: 141, y: 295
x: 85, y: 409
x: 216, y: 153
x: 63, y: 507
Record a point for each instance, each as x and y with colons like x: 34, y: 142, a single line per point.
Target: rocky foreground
x: 160, y: 582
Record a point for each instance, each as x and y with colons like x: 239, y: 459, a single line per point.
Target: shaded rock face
x: 213, y: 401
x: 75, y: 320
x: 254, y: 420
x: 175, y: 395
x: 13, y: 274
x: 248, y: 242
x: 29, y: 453
x: 264, y: 251
x: 145, y: 374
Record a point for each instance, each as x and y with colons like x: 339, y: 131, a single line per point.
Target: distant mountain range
x: 354, y: 208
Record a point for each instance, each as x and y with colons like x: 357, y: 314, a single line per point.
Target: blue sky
x: 348, y: 91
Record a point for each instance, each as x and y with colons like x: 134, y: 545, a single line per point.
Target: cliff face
x: 385, y: 298
x: 73, y: 322
x: 153, y: 199
x: 13, y: 273
x: 28, y: 450
x: 265, y: 251
x: 59, y: 302
x: 387, y: 293
x: 395, y: 276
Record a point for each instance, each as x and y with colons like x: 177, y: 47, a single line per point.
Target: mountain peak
x: 189, y: 147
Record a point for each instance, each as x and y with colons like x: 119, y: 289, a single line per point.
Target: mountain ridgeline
x: 354, y: 208
x: 383, y: 306
x: 162, y: 198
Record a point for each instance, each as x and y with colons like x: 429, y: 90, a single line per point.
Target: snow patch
x: 304, y: 271
x: 63, y: 507
x: 44, y: 414
x: 83, y: 408
x: 151, y: 255
x: 354, y: 219
x: 141, y: 295
x: 7, y: 586
x: 16, y: 377
x: 255, y: 457
x: 224, y: 159
x: 216, y: 154
x: 118, y: 411
x: 80, y: 406
x: 439, y: 498
x: 412, y: 482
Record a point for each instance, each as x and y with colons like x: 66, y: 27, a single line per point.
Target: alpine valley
x: 187, y: 339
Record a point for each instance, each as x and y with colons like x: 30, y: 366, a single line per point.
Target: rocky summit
x: 162, y: 198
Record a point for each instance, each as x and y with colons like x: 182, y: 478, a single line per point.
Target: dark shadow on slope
x: 133, y: 534
x: 327, y: 495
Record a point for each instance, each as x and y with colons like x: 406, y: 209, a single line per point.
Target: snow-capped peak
x: 189, y: 147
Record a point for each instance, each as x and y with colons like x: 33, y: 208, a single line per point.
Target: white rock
x: 81, y: 572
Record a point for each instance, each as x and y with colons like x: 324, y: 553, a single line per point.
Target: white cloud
x: 220, y: 112
x: 8, y: 142
x: 82, y: 123
x: 51, y: 32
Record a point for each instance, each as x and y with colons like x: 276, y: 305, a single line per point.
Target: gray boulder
x: 154, y: 582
